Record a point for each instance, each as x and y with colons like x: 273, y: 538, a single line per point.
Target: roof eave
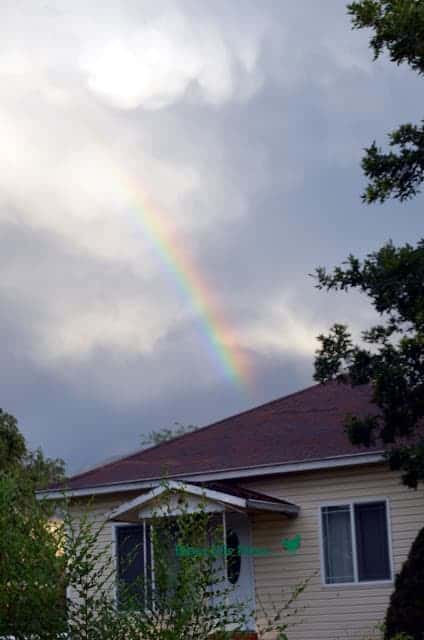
x: 222, y: 474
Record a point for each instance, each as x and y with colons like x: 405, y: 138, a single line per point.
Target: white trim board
x: 207, y: 494
x: 221, y: 499
x: 225, y: 474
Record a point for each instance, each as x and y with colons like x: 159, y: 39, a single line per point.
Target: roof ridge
x: 110, y: 464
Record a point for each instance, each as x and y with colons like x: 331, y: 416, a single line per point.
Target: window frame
x: 351, y: 504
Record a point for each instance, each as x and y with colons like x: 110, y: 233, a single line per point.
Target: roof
x: 241, y: 492
x: 303, y: 426
x: 219, y: 497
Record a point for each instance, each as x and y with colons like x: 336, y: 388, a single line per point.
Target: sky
x: 171, y: 173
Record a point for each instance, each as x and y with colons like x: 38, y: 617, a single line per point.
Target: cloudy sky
x: 170, y: 173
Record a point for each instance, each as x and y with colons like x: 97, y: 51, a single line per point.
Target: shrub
x: 405, y: 614
x: 189, y: 598
x: 31, y: 570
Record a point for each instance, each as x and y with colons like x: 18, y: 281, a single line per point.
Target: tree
x: 405, y: 612
x: 12, y: 442
x: 31, y: 570
x: 186, y: 599
x: 16, y: 458
x: 391, y: 355
x: 398, y: 27
x: 158, y: 436
x: 43, y: 471
x: 183, y: 597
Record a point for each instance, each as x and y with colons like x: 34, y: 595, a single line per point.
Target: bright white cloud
x: 154, y: 62
x: 285, y: 327
x: 156, y: 95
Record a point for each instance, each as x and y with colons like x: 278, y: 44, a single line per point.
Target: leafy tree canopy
x: 392, y: 354
x: 16, y: 458
x: 31, y: 569
x: 405, y: 612
x: 398, y: 29
x: 158, y: 436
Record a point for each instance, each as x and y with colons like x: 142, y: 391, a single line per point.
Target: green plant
x: 31, y: 569
x: 406, y: 610
x: 390, y: 356
x: 16, y: 459
x: 91, y: 612
x: 191, y: 599
x: 381, y: 630
x: 278, y: 618
x: 187, y: 599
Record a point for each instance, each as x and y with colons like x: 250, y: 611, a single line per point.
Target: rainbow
x: 221, y: 339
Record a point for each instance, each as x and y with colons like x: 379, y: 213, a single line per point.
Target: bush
x: 405, y: 614
x: 32, y: 590
x: 189, y: 598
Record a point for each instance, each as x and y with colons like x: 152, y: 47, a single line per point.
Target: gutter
x: 222, y: 474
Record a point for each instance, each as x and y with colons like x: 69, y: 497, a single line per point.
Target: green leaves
x: 31, y: 570
x: 17, y: 459
x: 12, y: 443
x: 32, y: 592
x: 404, y: 619
x: 390, y: 356
x: 397, y: 174
x: 398, y: 29
x: 165, y: 434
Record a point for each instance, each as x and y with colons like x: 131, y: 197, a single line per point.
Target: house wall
x: 337, y: 611
x: 97, y: 511
x: 327, y: 612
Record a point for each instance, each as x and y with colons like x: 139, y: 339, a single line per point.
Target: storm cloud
x: 242, y: 125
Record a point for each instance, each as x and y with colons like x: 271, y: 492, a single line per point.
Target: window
x: 138, y: 571
x: 355, y: 542
x: 134, y: 566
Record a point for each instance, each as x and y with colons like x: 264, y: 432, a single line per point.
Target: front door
x: 240, y: 561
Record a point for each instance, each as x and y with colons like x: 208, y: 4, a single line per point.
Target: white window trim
x: 115, y: 559
x: 350, y: 503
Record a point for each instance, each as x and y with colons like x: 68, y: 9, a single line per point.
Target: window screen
x: 372, y: 546
x: 130, y: 553
x: 337, y: 540
x: 359, y: 556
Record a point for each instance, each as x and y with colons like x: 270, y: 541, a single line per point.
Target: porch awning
x: 213, y: 500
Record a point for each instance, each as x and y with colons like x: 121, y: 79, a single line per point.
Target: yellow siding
x: 330, y: 612
x: 327, y: 612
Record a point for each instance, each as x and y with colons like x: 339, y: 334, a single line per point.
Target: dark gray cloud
x: 240, y: 124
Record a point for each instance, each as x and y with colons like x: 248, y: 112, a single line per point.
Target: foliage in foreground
x: 31, y: 570
x: 190, y: 599
x: 398, y: 29
x: 406, y: 610
x: 392, y: 355
x: 17, y: 459
x: 32, y: 596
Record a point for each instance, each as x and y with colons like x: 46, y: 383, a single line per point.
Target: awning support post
x: 224, y: 534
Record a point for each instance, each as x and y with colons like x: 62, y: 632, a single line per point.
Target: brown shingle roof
x: 307, y: 425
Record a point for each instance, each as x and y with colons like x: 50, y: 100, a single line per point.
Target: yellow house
x: 296, y: 499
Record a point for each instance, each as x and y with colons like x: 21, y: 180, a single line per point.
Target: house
x: 282, y: 472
